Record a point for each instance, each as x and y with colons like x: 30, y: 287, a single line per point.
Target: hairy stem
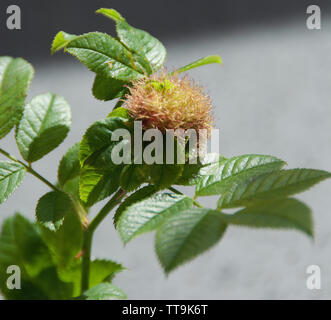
x: 196, y: 203
x: 88, y: 236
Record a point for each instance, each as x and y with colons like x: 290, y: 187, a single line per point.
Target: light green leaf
x: 148, y: 214
x: 61, y: 40
x: 66, y: 242
x: 235, y: 170
x: 148, y: 51
x: 21, y: 245
x: 97, y: 184
x: 119, y: 112
x: 137, y: 196
x: 107, y: 88
x: 104, y: 291
x: 199, y: 63
x: 69, y: 165
x: 100, y: 271
x: 15, y: 78
x: 11, y: 176
x: 273, y: 185
x: 283, y: 213
x: 104, y: 55
x: 187, y: 234
x: 52, y: 208
x: 111, y: 13
x: 45, y: 124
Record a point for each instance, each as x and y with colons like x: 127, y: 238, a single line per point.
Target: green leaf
x: 199, y: 63
x: 193, y: 173
x: 283, y: 213
x: 52, y: 208
x: 148, y: 214
x: 11, y: 176
x: 21, y: 245
x: 119, y: 112
x: 104, y: 291
x: 132, y: 177
x: 69, y: 165
x: 97, y: 143
x: 187, y: 234
x: 45, y: 124
x: 96, y: 184
x: 139, y: 195
x: 148, y: 51
x: 273, y: 185
x: 66, y: 242
x: 111, y: 13
x: 234, y: 170
x: 104, y: 55
x: 15, y: 78
x: 164, y: 175
x: 107, y: 88
x: 61, y: 40
x: 100, y: 271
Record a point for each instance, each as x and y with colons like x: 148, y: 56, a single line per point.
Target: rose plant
x: 54, y: 253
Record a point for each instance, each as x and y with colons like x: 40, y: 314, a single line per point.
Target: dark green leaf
x: 96, y: 184
x: 273, y: 185
x: 97, y: 142
x: 15, y: 79
x: 52, y: 208
x: 283, y: 213
x: 45, y: 124
x: 186, y: 235
x: 132, y: 177
x: 148, y: 214
x: 11, y: 176
x: 107, y: 88
x: 69, y: 166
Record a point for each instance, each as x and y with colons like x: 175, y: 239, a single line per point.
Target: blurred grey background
x: 271, y: 96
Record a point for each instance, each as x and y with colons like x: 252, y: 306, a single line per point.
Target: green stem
x: 196, y: 203
x: 29, y: 169
x: 88, y: 236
